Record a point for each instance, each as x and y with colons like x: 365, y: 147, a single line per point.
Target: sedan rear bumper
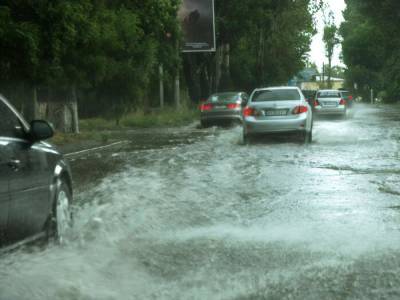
x: 253, y: 125
x: 221, y: 116
x: 337, y: 110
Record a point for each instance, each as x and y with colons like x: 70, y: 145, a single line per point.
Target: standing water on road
x: 215, y: 219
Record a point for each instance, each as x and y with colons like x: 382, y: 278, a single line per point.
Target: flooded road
x: 202, y: 216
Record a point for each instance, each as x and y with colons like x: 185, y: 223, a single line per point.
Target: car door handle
x: 14, y: 164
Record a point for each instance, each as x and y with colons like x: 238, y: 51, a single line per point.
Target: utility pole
x: 35, y: 112
x: 75, y: 114
x: 372, y: 96
x: 161, y: 75
x: 177, y: 93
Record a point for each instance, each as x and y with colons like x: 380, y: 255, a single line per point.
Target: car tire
x: 246, y: 139
x: 307, y: 137
x: 61, y: 220
x: 204, y: 124
x: 344, y: 116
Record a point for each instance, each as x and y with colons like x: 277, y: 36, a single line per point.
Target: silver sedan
x: 277, y: 110
x: 222, y: 107
x: 330, y: 102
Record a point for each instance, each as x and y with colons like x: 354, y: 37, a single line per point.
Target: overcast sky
x: 317, y: 53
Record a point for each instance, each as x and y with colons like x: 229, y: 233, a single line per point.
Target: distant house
x: 310, y: 79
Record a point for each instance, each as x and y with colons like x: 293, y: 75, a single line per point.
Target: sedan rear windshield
x: 276, y: 95
x: 329, y: 94
x: 224, y: 97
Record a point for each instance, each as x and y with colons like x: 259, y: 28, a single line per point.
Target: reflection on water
x: 204, y: 217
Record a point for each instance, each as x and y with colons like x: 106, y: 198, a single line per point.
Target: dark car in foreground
x: 222, y: 108
x: 35, y: 182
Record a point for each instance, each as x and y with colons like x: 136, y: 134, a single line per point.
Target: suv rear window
x: 329, y: 94
x: 276, y: 95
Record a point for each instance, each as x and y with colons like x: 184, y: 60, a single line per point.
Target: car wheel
x: 204, y: 124
x: 307, y: 137
x: 245, y: 139
x: 61, y: 220
x: 344, y: 116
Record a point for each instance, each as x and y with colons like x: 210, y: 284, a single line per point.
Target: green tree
x: 331, y: 40
x: 258, y: 43
x: 108, y: 49
x: 370, y: 42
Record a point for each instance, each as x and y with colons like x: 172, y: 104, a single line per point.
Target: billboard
x: 198, y: 25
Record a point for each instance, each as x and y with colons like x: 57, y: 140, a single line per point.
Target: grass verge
x: 99, y: 130
x: 168, y: 117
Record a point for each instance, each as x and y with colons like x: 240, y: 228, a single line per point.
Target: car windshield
x: 329, y: 94
x: 225, y: 97
x: 276, y: 95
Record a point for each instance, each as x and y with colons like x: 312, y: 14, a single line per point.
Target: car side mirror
x: 41, y: 130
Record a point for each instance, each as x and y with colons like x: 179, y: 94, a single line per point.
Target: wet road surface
x: 198, y: 215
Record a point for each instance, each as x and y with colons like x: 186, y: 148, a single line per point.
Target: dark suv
x: 35, y: 182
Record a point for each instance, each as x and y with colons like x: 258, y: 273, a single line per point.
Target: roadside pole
x: 161, y: 75
x: 372, y: 96
x: 177, y: 94
x: 177, y: 91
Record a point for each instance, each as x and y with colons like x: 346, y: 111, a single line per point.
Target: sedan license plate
x: 330, y: 103
x: 276, y: 112
x: 220, y: 107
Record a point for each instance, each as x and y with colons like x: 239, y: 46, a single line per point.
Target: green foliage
x: 109, y: 49
x: 330, y: 39
x: 268, y: 43
x: 371, y: 39
x: 139, y: 119
x: 337, y: 71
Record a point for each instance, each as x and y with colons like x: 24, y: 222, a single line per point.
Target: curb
x: 88, y: 151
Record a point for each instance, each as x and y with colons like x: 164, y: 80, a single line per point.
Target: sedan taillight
x: 316, y: 103
x: 206, y: 107
x: 300, y: 109
x: 233, y: 105
x: 342, y: 102
x: 248, y: 111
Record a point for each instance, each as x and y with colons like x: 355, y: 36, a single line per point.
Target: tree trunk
x: 161, y: 77
x: 35, y: 105
x: 177, y: 90
x: 218, y: 67
x: 192, y: 78
x: 330, y: 71
x: 261, y: 55
x: 74, y: 111
x: 225, y: 83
